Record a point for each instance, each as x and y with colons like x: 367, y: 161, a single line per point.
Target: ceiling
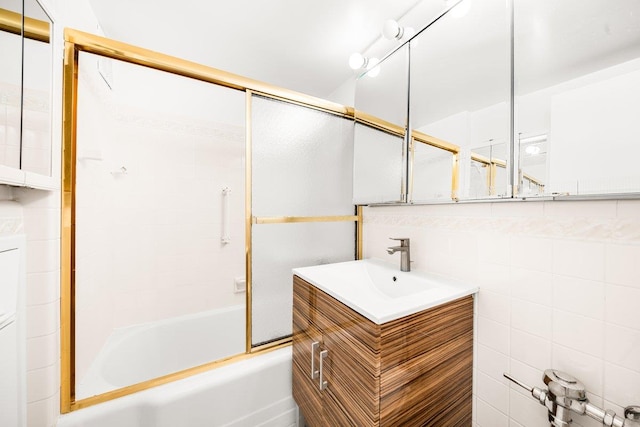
x: 297, y: 44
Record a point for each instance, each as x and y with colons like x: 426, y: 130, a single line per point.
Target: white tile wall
x: 559, y: 285
x: 42, y: 227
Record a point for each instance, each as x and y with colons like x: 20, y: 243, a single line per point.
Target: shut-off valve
x: 565, y: 394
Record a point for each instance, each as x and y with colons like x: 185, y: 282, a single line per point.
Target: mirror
x: 381, y: 123
x: 10, y: 82
x: 36, y: 96
x: 460, y: 94
x: 577, y: 97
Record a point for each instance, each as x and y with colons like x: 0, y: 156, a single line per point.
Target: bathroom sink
x: 380, y: 291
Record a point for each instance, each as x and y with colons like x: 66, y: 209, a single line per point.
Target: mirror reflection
x: 10, y: 82
x: 381, y: 122
x: 577, y: 96
x: 36, y: 104
x: 460, y: 92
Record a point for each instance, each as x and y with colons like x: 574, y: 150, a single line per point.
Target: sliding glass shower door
x: 302, y: 211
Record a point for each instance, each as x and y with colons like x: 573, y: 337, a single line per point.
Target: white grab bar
x: 6, y: 319
x: 226, y: 238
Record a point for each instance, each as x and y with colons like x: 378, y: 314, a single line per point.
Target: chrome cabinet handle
x: 322, y: 384
x: 314, y: 347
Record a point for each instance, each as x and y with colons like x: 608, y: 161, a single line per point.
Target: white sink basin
x: 380, y: 291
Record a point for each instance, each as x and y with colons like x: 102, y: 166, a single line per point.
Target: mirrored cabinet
x: 25, y: 95
x: 513, y: 99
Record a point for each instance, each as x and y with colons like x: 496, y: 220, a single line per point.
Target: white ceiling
x: 298, y: 44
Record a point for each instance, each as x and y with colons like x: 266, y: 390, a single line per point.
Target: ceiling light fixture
x: 392, y: 30
x: 357, y: 61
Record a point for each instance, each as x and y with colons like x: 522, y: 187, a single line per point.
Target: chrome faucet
x: 405, y: 255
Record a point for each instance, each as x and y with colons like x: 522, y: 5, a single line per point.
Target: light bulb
x: 392, y: 30
x: 357, y: 61
x: 532, y: 150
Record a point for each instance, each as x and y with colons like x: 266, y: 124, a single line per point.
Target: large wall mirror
x: 577, y: 96
x: 25, y: 92
x: 10, y: 82
x: 518, y: 99
x: 381, y: 125
x: 36, y: 90
x: 460, y: 87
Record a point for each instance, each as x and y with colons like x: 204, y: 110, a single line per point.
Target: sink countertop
x: 379, y: 291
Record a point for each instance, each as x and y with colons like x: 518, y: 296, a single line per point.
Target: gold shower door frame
x: 76, y: 42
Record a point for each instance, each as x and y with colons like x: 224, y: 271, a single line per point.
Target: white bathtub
x: 142, y: 352
x: 249, y: 393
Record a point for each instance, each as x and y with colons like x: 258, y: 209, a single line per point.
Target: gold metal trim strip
x: 122, y: 51
x: 296, y: 219
x: 282, y: 342
x: 248, y: 224
x: 67, y: 245
x: 378, y: 123
x: 487, y: 161
x: 359, y: 232
x: 435, y: 142
x: 90, y: 401
x: 10, y: 21
x: 34, y: 29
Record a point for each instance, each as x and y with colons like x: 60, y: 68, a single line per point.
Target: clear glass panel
x: 36, y: 104
x: 302, y: 161
x: 432, y: 173
x: 577, y: 90
x: 381, y: 101
x: 377, y: 166
x: 277, y: 248
x: 154, y: 282
x: 488, y: 172
x: 460, y: 84
x: 10, y: 85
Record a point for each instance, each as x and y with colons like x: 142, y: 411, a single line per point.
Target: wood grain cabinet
x: 350, y: 371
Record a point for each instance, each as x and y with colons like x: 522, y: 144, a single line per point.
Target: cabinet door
x: 306, y: 391
x: 352, y: 365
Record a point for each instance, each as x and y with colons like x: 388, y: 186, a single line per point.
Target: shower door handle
x: 322, y: 384
x: 314, y: 347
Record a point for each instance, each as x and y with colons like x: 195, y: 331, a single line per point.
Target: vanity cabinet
x: 350, y: 371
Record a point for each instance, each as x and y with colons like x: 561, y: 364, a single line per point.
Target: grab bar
x: 225, y: 215
x: 7, y: 319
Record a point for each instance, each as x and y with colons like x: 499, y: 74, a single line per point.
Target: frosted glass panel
x: 432, y: 173
x: 277, y: 248
x: 377, y: 169
x: 154, y: 283
x: 302, y: 161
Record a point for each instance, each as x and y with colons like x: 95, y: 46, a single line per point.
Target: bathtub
x: 150, y: 350
x: 255, y: 391
x: 249, y: 393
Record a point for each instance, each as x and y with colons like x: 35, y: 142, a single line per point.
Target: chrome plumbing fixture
x: 565, y: 394
x: 404, y: 249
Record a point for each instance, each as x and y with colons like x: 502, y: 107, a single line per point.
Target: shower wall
x: 154, y: 153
